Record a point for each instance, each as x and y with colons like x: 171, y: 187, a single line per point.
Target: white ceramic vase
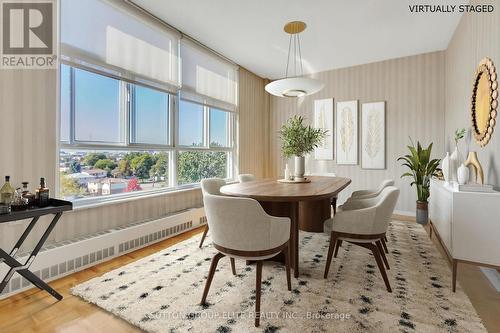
x: 455, y: 161
x: 445, y: 167
x: 300, y: 166
x: 463, y: 174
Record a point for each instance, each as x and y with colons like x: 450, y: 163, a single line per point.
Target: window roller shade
x: 207, y: 78
x: 121, y: 40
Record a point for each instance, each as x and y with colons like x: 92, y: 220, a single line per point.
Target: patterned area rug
x: 161, y: 293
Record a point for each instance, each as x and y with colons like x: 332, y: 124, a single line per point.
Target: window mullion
x: 128, y: 113
x: 206, y: 126
x: 72, y: 105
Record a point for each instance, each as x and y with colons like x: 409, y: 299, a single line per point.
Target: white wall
x: 477, y: 36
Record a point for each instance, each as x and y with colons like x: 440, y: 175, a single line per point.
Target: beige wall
x: 413, y: 88
x: 477, y: 36
x: 28, y: 111
x: 253, y: 129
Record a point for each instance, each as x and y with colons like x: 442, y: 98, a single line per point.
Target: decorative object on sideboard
x: 476, y: 167
x: 445, y: 168
x: 422, y: 169
x: 373, y: 135
x: 347, y: 132
x: 298, y: 140
x: 462, y: 174
x: 323, y: 119
x: 296, y: 85
x: 484, y: 101
x: 456, y: 158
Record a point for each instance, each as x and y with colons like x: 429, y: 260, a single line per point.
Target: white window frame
x: 206, y: 147
x: 172, y: 147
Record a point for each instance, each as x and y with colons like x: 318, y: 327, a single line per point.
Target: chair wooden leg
x: 286, y: 253
x: 258, y: 281
x: 383, y: 241
x: 204, y: 235
x: 382, y: 253
x: 233, y: 266
x: 338, y: 244
x: 211, y: 272
x: 333, y: 239
x: 380, y: 265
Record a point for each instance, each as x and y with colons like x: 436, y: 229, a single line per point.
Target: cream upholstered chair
x: 211, y: 186
x: 246, y: 177
x: 365, y: 226
x: 333, y: 199
x: 366, y: 198
x: 372, y: 193
x: 241, y: 229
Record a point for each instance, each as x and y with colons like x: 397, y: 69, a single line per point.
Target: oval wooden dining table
x: 306, y: 204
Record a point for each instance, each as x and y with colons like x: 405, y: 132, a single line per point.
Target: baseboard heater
x: 59, y: 259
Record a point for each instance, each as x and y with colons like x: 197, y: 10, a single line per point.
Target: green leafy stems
x: 298, y: 139
x: 422, y: 168
x: 459, y: 134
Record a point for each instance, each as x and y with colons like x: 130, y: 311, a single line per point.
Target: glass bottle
x: 6, y: 192
x: 42, y: 194
x: 30, y: 197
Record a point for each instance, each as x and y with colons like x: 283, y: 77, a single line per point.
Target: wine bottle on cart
x: 42, y: 194
x: 6, y: 192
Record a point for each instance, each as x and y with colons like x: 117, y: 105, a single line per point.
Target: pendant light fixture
x: 294, y: 86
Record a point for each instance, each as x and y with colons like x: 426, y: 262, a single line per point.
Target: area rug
x: 161, y: 293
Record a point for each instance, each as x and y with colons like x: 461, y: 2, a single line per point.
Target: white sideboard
x: 467, y: 224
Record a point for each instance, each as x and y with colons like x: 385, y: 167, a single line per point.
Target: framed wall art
x: 347, y: 132
x: 323, y: 118
x: 373, y: 135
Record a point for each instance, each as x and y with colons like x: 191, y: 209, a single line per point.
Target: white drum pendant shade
x: 295, y: 86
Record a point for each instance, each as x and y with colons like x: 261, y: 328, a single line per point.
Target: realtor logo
x: 28, y: 34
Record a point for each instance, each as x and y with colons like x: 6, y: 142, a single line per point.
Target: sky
x: 97, y: 116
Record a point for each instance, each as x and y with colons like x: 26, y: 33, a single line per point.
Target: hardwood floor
x: 36, y: 311
x: 483, y: 296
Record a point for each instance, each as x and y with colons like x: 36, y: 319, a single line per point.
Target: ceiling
x: 339, y: 33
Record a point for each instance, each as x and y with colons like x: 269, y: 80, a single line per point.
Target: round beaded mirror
x: 484, y: 101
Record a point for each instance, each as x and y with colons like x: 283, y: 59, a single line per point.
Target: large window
x: 120, y: 138
x: 97, y: 112
x: 191, y: 124
x: 150, y: 117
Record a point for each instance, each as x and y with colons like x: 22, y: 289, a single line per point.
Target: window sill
x: 102, y: 201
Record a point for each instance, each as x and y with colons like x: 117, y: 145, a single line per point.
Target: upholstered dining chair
x: 246, y: 177
x: 366, y: 196
x: 211, y: 186
x: 372, y: 193
x: 365, y: 227
x: 333, y: 201
x: 241, y: 229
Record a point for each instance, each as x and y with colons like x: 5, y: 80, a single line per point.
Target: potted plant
x: 422, y: 169
x: 298, y: 139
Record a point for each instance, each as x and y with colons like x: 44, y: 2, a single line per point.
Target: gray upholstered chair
x: 363, y: 194
x: 365, y: 225
x: 241, y: 229
x: 211, y: 186
x: 246, y: 177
